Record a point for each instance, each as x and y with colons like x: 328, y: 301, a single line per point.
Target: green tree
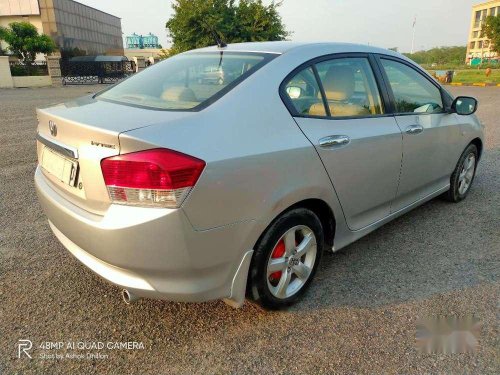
x: 25, y: 42
x: 254, y: 22
x: 491, y: 30
x: 195, y: 21
x: 440, y: 55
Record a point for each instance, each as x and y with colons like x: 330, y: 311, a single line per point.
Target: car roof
x: 283, y: 47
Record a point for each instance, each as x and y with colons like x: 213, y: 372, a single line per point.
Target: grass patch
x: 470, y: 76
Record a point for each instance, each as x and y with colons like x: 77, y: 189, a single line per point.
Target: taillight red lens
x: 157, y: 177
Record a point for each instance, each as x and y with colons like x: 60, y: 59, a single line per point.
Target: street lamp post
x: 413, y: 37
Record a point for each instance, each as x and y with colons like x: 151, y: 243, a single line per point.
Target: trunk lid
x: 84, y: 132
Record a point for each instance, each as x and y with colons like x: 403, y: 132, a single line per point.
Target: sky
x: 384, y: 23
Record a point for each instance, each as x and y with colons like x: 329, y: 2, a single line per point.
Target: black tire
x: 454, y: 195
x: 259, y: 288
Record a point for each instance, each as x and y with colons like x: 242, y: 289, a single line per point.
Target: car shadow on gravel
x: 431, y: 250
x: 436, y: 248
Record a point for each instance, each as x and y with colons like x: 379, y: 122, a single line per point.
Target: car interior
x: 339, y: 85
x: 412, y: 92
x: 184, y: 82
x: 349, y: 91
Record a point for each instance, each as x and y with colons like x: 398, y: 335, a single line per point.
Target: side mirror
x: 464, y: 105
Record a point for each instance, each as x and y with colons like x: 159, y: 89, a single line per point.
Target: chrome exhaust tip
x: 128, y: 297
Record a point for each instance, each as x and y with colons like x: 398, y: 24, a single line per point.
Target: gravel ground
x: 359, y: 316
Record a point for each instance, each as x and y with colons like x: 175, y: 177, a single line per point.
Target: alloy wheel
x: 291, y: 262
x: 466, y: 173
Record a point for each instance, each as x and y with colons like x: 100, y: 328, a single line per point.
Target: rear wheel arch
x: 321, y: 209
x: 325, y: 215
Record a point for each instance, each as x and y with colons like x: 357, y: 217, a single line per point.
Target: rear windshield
x: 187, y: 82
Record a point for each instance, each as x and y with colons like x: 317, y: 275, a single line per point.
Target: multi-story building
x: 69, y: 23
x: 478, y: 47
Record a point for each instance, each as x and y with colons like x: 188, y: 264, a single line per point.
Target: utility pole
x: 413, y: 37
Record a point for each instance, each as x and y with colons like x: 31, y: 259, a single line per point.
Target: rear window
x: 187, y: 82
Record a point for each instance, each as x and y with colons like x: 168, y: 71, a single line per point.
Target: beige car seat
x: 179, y: 94
x: 339, y: 84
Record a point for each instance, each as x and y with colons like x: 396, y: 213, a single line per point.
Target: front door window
x: 413, y: 93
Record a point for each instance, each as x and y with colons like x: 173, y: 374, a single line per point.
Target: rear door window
x: 304, y: 93
x: 350, y: 87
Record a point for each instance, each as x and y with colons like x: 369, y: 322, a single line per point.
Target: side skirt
x: 345, y: 239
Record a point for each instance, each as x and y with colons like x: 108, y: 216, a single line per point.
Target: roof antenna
x: 220, y: 43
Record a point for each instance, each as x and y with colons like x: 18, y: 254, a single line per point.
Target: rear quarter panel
x: 259, y: 162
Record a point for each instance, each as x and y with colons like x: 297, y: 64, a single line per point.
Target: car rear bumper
x: 152, y: 252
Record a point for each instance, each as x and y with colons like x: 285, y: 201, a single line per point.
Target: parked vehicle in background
x: 174, y: 187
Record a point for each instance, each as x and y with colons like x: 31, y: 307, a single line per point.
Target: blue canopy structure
x: 136, y: 41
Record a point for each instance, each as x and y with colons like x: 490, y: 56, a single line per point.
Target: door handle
x: 334, y: 140
x: 414, y: 129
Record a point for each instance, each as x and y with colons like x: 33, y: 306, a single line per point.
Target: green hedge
x: 23, y: 70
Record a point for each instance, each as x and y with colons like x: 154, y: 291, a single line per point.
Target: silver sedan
x: 174, y: 187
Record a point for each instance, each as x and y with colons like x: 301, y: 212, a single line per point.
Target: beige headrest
x: 339, y: 83
x: 179, y: 94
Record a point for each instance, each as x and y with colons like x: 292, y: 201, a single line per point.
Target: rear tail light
x: 152, y: 178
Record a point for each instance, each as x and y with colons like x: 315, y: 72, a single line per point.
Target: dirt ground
x: 359, y: 316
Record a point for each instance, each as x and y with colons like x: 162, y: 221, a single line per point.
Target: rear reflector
x: 152, y: 178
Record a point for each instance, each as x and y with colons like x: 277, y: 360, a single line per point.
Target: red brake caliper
x: 278, y: 252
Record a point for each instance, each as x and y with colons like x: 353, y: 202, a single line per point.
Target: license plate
x: 64, y: 169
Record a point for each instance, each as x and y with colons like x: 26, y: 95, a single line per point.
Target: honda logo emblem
x: 53, y: 128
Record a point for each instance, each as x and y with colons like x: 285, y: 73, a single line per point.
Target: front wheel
x: 286, y: 259
x: 463, y: 175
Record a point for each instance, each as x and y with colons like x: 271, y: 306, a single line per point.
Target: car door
x: 430, y: 134
x: 337, y: 103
